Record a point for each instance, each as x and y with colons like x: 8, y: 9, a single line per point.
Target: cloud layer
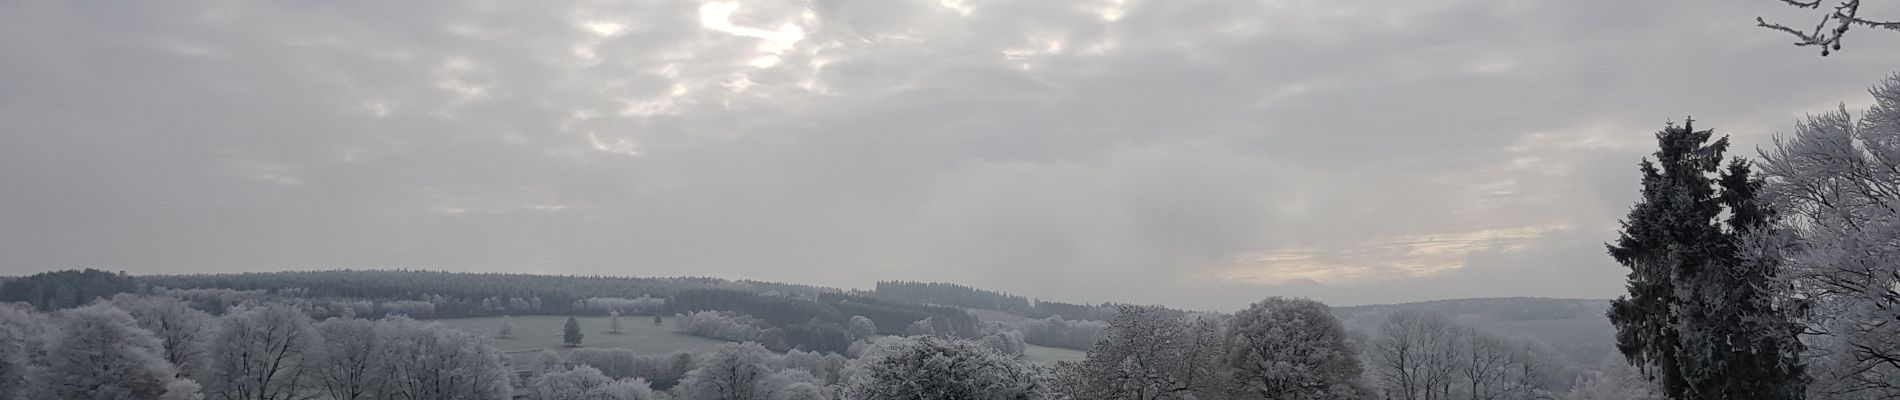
x: 1202, y: 154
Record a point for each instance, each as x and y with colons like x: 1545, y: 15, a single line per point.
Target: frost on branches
x: 1836, y: 182
x: 1282, y: 348
x: 931, y: 368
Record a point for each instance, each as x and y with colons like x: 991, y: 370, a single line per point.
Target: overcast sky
x: 1194, y: 153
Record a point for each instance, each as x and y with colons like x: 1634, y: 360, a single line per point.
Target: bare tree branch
x: 1833, y: 25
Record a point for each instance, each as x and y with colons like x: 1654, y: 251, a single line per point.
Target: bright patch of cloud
x: 1381, y: 259
x: 718, y: 16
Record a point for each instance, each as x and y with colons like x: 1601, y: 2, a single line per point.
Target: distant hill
x: 1494, y: 309
x: 1575, y: 328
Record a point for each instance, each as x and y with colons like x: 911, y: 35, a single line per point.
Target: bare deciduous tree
x: 261, y: 353
x: 181, y: 330
x: 1836, y: 20
x: 1416, y: 355
x: 350, y: 365
x: 1836, y: 182
x: 1147, y: 353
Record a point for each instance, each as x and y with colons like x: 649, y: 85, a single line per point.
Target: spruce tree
x: 1699, y: 318
x: 571, y: 334
x: 1743, y: 341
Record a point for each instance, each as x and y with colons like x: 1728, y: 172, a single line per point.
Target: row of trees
x: 950, y: 294
x: 788, y: 316
x: 147, y: 347
x: 719, y: 325
x: 65, y: 289
x: 890, y: 367
x: 463, y: 294
x: 142, y: 347
x: 640, y: 305
x: 1062, y: 333
x: 1278, y: 348
x: 1421, y: 355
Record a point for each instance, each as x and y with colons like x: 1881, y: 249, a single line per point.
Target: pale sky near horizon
x: 1194, y: 153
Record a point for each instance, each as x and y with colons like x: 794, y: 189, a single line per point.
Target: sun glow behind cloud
x: 1387, y: 258
x: 718, y: 16
x: 995, y: 143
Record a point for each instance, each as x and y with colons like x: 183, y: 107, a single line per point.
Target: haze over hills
x: 1574, y: 328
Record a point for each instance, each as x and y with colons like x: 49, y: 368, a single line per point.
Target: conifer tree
x: 1698, y: 317
x: 571, y: 333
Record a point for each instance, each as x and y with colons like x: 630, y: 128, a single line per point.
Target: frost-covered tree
x: 931, y: 368
x: 861, y: 328
x: 1149, y: 352
x: 1286, y: 348
x: 571, y: 332
x: 1427, y: 355
x: 1836, y: 185
x: 731, y: 372
x: 427, y: 361
x: 659, y: 369
x: 1491, y: 367
x: 181, y: 330
x: 570, y: 384
x: 829, y: 367
x: 507, y: 328
x: 351, y: 362
x: 22, y: 335
x: 720, y: 325
x: 183, y: 389
x: 1837, y: 18
x: 1699, y: 315
x: 1484, y: 365
x: 1055, y: 331
x: 643, y: 304
x: 923, y: 327
x: 614, y: 326
x: 791, y: 384
x: 1416, y: 355
x: 99, y: 352
x: 1008, y: 342
x: 548, y: 361
x: 261, y: 353
x: 586, y: 383
x: 625, y: 389
x: 1617, y: 380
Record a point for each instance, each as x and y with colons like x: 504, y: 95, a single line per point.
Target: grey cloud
x: 1036, y: 147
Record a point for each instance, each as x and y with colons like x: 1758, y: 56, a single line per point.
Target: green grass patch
x: 536, y: 332
x: 1050, y: 355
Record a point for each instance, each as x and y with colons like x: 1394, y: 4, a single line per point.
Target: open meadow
x: 1050, y: 355
x: 536, y: 332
